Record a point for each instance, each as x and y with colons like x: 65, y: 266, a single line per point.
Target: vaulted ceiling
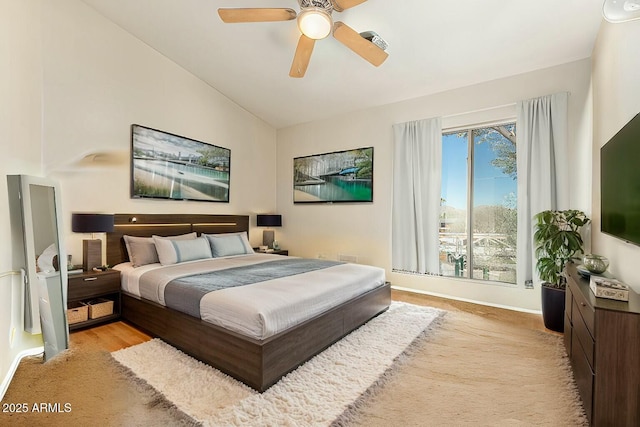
x: 433, y: 46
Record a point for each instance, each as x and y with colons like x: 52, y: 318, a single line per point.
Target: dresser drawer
x: 583, y: 375
x: 567, y: 333
x: 586, y: 311
x: 568, y: 301
x: 582, y: 334
x: 90, y: 285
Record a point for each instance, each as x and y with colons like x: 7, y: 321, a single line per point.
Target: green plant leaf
x: 557, y: 240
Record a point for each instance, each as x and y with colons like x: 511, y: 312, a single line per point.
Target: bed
x: 259, y: 358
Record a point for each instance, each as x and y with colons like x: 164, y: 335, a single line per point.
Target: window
x: 478, y: 220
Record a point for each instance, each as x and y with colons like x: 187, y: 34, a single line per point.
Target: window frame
x: 469, y: 129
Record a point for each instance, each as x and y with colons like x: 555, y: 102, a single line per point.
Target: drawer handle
x: 89, y: 279
x: 583, y: 304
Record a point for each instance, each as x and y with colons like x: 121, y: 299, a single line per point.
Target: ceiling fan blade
x: 354, y: 41
x: 256, y: 15
x: 302, y: 57
x: 340, y: 5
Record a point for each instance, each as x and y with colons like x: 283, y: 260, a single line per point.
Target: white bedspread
x: 263, y: 309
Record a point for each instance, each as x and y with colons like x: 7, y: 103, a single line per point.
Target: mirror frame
x: 45, y: 298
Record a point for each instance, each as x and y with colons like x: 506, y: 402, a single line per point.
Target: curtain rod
x: 480, y: 110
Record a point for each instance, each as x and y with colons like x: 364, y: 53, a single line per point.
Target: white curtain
x: 541, y: 151
x: 417, y: 165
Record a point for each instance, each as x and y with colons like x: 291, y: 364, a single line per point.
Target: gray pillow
x: 229, y: 244
x: 142, y: 250
x: 173, y: 251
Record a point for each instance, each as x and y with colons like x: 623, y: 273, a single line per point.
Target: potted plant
x: 558, y: 241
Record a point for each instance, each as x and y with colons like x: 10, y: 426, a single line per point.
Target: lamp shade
x: 315, y: 23
x: 91, y: 223
x: 269, y: 221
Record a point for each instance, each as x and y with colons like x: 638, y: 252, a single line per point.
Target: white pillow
x: 173, y: 251
x: 142, y: 250
x: 229, y: 244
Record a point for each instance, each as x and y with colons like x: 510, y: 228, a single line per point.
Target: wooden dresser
x: 602, y: 338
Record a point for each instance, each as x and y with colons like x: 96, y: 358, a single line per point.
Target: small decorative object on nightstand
x: 97, y: 292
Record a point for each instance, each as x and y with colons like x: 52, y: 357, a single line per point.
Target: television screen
x: 341, y: 176
x: 620, y: 183
x: 168, y: 166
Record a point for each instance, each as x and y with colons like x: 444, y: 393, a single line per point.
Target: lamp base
x: 91, y: 254
x: 268, y: 237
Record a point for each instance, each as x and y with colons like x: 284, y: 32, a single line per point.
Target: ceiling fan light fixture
x: 315, y: 23
x: 616, y: 11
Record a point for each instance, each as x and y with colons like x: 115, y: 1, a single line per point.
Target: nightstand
x: 283, y: 252
x: 94, y: 286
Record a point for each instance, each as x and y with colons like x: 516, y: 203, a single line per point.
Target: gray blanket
x: 184, y: 294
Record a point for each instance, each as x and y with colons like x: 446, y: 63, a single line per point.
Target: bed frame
x: 257, y: 363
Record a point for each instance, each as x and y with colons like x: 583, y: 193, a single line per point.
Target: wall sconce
x: 91, y: 223
x: 268, y: 236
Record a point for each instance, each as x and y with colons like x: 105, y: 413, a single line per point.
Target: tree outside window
x: 478, y: 203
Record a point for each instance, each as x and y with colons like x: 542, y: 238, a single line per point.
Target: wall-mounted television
x: 337, y: 177
x: 620, y: 183
x: 168, y: 166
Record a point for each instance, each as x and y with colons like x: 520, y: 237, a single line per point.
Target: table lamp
x: 91, y: 223
x: 268, y: 236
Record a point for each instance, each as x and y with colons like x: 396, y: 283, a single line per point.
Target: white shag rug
x: 315, y: 394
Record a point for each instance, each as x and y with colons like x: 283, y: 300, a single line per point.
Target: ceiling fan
x: 315, y: 23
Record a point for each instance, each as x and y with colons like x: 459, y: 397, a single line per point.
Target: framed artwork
x: 337, y: 177
x: 168, y: 166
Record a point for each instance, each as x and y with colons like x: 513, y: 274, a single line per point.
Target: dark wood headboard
x: 146, y: 225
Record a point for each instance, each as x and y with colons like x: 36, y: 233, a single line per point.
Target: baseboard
x: 14, y: 366
x: 435, y: 294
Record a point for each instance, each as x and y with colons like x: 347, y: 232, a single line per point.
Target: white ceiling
x: 433, y: 46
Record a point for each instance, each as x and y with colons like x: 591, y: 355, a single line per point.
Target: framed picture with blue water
x: 337, y: 177
x: 173, y: 167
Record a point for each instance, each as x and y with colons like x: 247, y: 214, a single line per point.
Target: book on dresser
x: 604, y: 287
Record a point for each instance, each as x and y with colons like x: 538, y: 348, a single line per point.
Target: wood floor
x: 118, y: 335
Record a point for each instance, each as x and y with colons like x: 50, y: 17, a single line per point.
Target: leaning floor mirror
x: 39, y: 252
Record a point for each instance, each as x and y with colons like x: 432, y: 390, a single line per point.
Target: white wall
x: 71, y: 85
x: 364, y: 230
x: 616, y: 100
x: 20, y: 135
x: 98, y: 80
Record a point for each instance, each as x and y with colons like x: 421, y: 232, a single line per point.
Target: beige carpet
x: 476, y: 372
x: 89, y: 388
x: 471, y: 371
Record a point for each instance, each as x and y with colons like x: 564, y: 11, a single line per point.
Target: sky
x: 492, y: 186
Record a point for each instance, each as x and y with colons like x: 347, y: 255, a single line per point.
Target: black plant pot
x: 553, y: 308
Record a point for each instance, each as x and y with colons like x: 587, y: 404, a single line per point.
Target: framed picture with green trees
x: 337, y: 177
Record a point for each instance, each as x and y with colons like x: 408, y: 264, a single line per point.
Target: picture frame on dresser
x: 173, y: 167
